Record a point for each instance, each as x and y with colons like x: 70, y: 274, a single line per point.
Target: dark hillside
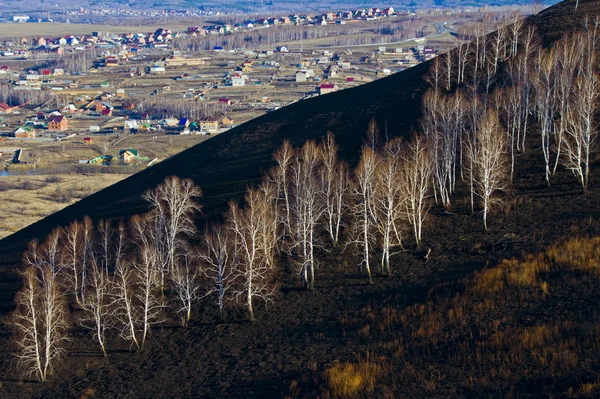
x: 436, y: 328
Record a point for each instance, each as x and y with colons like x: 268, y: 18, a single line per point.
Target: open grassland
x: 71, y: 150
x: 26, y: 199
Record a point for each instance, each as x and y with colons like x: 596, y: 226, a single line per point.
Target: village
x: 156, y: 84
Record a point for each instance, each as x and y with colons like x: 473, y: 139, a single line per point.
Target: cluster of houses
x: 339, y: 17
x: 126, y: 157
x: 55, y: 122
x: 162, y: 37
x: 206, y: 125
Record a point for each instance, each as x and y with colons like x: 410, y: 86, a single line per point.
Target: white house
x: 238, y: 81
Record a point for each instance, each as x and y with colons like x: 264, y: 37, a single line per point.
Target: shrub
x: 53, y: 179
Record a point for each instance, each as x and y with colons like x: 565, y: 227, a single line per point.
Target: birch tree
x: 364, y: 205
x: 41, y: 323
x: 389, y: 202
x: 186, y: 284
x: 124, y: 304
x: 97, y: 314
x: 218, y: 260
x: 148, y: 293
x: 416, y: 174
x: 280, y: 174
x: 581, y: 128
x: 490, y: 164
x: 252, y: 271
x: 308, y: 207
x: 545, y: 103
x: 104, y: 238
x: 335, y: 186
x: 174, y: 203
x: 71, y: 259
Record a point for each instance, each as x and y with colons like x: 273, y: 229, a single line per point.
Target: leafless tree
x: 490, y: 163
x: 173, y: 207
x: 308, y: 206
x: 41, y: 322
x: 124, y: 304
x: 336, y: 184
x: 530, y: 46
x: 270, y: 233
x: 280, y: 175
x: 97, y: 313
x: 416, y: 174
x: 218, y: 258
x: 435, y: 74
x: 389, y: 202
x: 373, y: 139
x: 87, y: 243
x: 545, y: 102
x: 252, y: 271
x: 443, y: 123
x: 71, y: 259
x: 498, y: 47
x: 511, y: 104
x: 463, y: 52
x: 581, y: 129
x: 515, y: 29
x: 448, y: 67
x: 185, y: 276
x: 148, y: 293
x: 569, y: 55
x: 364, y: 205
x: 105, y: 235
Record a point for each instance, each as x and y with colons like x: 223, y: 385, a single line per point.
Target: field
x: 68, y: 152
x: 26, y: 199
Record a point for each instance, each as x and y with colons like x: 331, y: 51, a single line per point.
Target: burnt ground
x: 304, y: 333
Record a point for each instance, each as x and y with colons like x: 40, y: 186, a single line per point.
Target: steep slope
x: 304, y: 333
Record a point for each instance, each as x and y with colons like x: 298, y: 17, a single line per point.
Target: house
x: 209, y: 124
x: 102, y: 160
x: 224, y: 101
x: 238, y: 81
x: 69, y: 109
x: 226, y: 121
x: 131, y: 124
x: 111, y: 61
x: 326, y: 88
x: 24, y: 132
x: 58, y: 123
x: 120, y: 92
x: 157, y: 70
x: 184, y: 122
x: 5, y: 108
x: 128, y: 106
x: 127, y: 156
x: 87, y: 140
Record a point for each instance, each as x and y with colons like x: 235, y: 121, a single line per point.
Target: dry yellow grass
x: 578, y: 254
x: 347, y: 380
x: 27, y: 199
